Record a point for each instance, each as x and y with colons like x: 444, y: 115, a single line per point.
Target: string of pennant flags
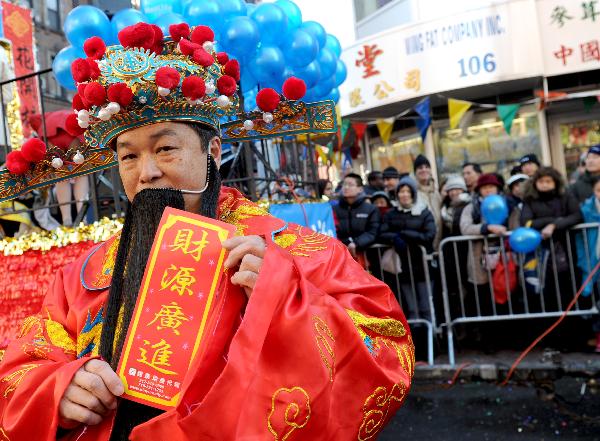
x: 458, y: 111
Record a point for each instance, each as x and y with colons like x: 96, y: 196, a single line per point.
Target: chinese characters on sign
x: 369, y: 53
x: 171, y: 311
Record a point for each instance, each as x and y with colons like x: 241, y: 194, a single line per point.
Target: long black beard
x: 139, y: 229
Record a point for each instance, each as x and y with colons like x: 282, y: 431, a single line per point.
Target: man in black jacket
x: 357, y: 221
x: 583, y: 187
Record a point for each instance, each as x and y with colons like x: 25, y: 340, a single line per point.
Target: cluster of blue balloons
x: 271, y: 41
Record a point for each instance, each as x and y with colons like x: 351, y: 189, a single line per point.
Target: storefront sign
x: 570, y: 38
x: 483, y: 46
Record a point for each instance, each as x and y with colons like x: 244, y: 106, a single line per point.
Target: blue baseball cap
x: 595, y: 149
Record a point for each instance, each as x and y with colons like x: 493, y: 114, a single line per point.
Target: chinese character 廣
x: 368, y: 54
x: 183, y: 241
x: 180, y: 281
x: 160, y: 357
x: 169, y: 317
x: 413, y: 80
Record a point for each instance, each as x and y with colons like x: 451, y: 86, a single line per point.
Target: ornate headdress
x: 149, y: 79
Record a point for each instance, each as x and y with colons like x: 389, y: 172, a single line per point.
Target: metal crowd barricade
x: 546, y: 279
x: 394, y: 282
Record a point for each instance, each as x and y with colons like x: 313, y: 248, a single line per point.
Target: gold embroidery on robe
x: 3, y: 435
x: 376, y: 409
x: 325, y: 343
x: 15, y: 378
x: 108, y: 263
x: 59, y: 336
x: 244, y: 210
x: 307, y: 242
x: 290, y: 410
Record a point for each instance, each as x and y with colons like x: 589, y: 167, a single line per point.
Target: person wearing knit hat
x: 529, y: 164
x: 453, y: 204
x: 428, y: 193
x: 391, y: 177
x: 455, y: 182
x: 514, y: 198
x: 583, y: 187
x: 408, y: 227
x: 488, y: 180
x: 382, y: 201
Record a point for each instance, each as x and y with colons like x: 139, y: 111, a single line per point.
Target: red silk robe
x: 320, y: 351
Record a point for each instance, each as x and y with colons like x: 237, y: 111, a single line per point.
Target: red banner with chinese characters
x: 174, y: 303
x: 18, y: 29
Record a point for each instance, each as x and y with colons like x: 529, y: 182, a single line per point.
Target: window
x: 364, y: 8
x: 52, y: 14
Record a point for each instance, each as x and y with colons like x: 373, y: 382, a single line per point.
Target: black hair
x: 321, y: 185
x: 476, y: 167
x: 205, y: 133
x: 374, y: 175
x: 356, y: 177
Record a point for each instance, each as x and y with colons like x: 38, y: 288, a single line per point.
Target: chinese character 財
x: 180, y: 281
x: 560, y: 16
x: 169, y: 317
x: 183, y: 241
x: 368, y: 54
x: 160, y: 357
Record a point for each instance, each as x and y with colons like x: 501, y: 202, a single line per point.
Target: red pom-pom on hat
x: 187, y: 47
x: 94, y: 68
x: 232, y: 68
x: 267, y: 99
x: 81, y: 92
x: 222, y: 58
x: 72, y: 126
x: 78, y: 103
x: 294, y: 88
x: 137, y: 35
x: 16, y: 163
x: 202, y: 34
x: 226, y: 85
x: 157, y: 49
x: 34, y: 149
x: 95, y: 94
x: 203, y: 58
x: 179, y: 31
x: 80, y: 70
x: 193, y: 87
x: 167, y: 77
x: 158, y: 35
x: 120, y: 93
x: 94, y: 47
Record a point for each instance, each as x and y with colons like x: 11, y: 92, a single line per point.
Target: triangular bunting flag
x: 321, y: 153
x: 385, y: 127
x: 344, y: 128
x: 423, y: 108
x: 359, y: 129
x: 456, y: 109
x: 347, y: 158
x: 507, y: 113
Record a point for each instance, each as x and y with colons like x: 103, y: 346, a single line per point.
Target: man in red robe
x: 303, y: 343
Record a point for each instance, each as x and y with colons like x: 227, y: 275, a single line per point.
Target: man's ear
x: 215, y: 150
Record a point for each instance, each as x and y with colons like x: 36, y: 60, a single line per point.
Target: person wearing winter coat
x: 428, y: 193
x: 582, y: 188
x: 357, y: 221
x: 588, y: 251
x: 514, y: 198
x: 408, y: 227
x: 453, y: 205
x: 551, y: 211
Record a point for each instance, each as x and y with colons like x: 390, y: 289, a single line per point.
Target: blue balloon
x: 292, y: 11
x: 206, y: 12
x: 525, y: 240
x: 494, y: 209
x: 316, y: 30
x: 324, y: 88
x: 154, y: 9
x: 166, y: 20
x: 247, y: 80
x: 250, y: 7
x: 311, y: 74
x: 84, y: 22
x: 232, y: 8
x: 268, y: 64
x: 271, y: 22
x: 124, y: 18
x: 300, y: 48
x: 61, y: 66
x: 334, y: 95
x: 341, y: 73
x: 250, y: 100
x: 328, y: 62
x: 333, y: 44
x: 240, y: 37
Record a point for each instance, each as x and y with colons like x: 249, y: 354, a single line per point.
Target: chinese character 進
x: 589, y: 10
x: 560, y: 16
x: 382, y: 89
x: 160, y: 356
x: 590, y: 51
x: 355, y: 98
x: 183, y: 241
x: 169, y: 317
x: 413, y: 80
x: 563, y: 53
x: 180, y: 281
x: 368, y: 54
